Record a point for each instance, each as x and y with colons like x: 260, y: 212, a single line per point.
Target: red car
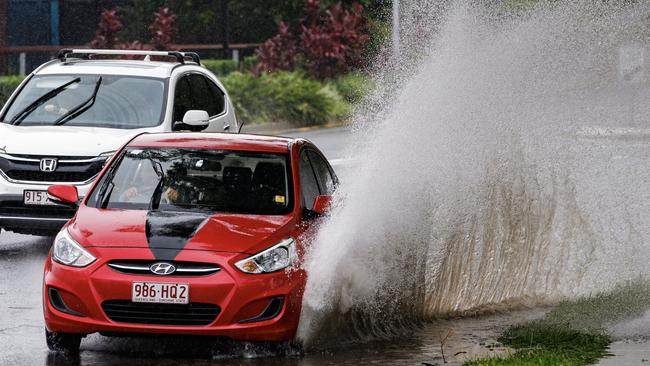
x: 187, y: 234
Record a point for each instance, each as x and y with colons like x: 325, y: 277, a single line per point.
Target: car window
x: 207, y: 94
x: 201, y: 94
x: 325, y: 180
x: 308, y: 184
x: 183, y: 101
x: 195, y: 179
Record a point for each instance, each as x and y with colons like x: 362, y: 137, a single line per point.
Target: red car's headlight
x: 273, y: 259
x: 67, y: 251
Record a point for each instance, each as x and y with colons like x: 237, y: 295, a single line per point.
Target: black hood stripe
x: 169, y: 232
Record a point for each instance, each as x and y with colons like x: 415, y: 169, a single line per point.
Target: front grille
x: 16, y: 208
x: 184, y: 269
x: 32, y: 176
x: 125, y: 311
x: 68, y: 170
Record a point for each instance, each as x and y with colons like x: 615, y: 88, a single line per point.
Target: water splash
x: 506, y: 167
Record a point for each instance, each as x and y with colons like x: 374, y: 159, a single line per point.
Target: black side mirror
x: 182, y: 126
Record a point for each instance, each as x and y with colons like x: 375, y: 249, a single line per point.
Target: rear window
x: 196, y: 179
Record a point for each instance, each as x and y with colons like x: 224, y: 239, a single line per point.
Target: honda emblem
x: 48, y: 164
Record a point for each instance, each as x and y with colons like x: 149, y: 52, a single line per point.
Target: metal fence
x: 22, y: 60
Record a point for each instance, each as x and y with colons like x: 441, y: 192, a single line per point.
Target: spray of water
x: 505, y: 165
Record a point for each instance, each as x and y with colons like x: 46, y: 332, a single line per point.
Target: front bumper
x: 239, y: 296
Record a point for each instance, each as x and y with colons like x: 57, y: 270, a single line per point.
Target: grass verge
x: 573, y: 333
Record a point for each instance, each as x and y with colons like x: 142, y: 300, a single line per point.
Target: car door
x: 196, y: 91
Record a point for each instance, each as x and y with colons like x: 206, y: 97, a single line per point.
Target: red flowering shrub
x: 163, y: 32
x: 277, y: 53
x: 163, y: 29
x: 106, y: 34
x: 328, y: 43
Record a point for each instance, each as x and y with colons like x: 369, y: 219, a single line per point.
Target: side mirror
x: 193, y: 120
x: 322, y: 204
x: 63, y: 194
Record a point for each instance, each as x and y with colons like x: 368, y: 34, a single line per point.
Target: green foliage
x: 248, y: 63
x: 353, y: 86
x: 221, y: 67
x: 572, y: 333
x: 541, y: 343
x: 593, y: 313
x: 536, y: 357
x: 284, y: 97
x: 7, y: 85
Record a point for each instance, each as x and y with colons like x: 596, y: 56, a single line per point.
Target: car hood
x: 168, y: 233
x: 64, y: 140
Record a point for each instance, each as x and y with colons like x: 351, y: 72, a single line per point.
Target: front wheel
x: 63, y: 342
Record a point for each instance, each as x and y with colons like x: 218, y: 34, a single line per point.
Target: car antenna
x: 240, y: 126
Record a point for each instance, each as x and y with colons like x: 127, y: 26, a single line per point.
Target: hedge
x: 7, y: 85
x: 221, y: 68
x: 284, y: 97
x: 353, y: 87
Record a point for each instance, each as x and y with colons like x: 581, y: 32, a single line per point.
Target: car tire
x: 63, y: 342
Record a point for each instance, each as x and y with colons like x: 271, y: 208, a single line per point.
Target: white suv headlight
x: 67, y: 251
x: 277, y: 257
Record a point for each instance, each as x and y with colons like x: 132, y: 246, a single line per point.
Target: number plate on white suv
x: 38, y: 198
x: 159, y: 292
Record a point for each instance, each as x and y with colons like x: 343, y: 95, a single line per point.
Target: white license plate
x: 160, y: 292
x: 38, y: 198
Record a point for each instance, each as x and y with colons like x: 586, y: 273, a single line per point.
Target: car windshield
x: 192, y: 179
x: 89, y: 100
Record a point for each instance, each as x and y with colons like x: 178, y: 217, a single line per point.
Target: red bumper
x: 240, y: 296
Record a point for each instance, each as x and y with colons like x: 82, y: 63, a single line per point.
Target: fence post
x: 235, y: 55
x: 22, y: 63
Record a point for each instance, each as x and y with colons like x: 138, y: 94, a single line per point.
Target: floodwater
x: 22, y: 340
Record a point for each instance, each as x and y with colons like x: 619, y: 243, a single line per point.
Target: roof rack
x: 180, y: 56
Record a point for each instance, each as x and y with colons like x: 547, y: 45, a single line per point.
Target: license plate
x: 160, y: 292
x: 38, y: 198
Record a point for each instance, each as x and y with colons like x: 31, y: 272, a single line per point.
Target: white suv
x: 68, y: 117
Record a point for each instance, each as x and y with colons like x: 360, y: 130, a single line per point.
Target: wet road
x: 22, y: 340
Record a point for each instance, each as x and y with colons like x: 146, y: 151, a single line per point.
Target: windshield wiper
x: 18, y: 118
x: 156, y: 196
x: 82, y: 107
x: 102, y: 197
x: 104, y: 194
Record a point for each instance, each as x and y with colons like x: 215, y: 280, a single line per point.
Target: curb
x: 284, y: 128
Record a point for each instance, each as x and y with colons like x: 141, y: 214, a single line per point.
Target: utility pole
x: 396, y: 26
x: 54, y: 23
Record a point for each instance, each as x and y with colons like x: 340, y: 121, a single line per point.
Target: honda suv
x: 71, y: 114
